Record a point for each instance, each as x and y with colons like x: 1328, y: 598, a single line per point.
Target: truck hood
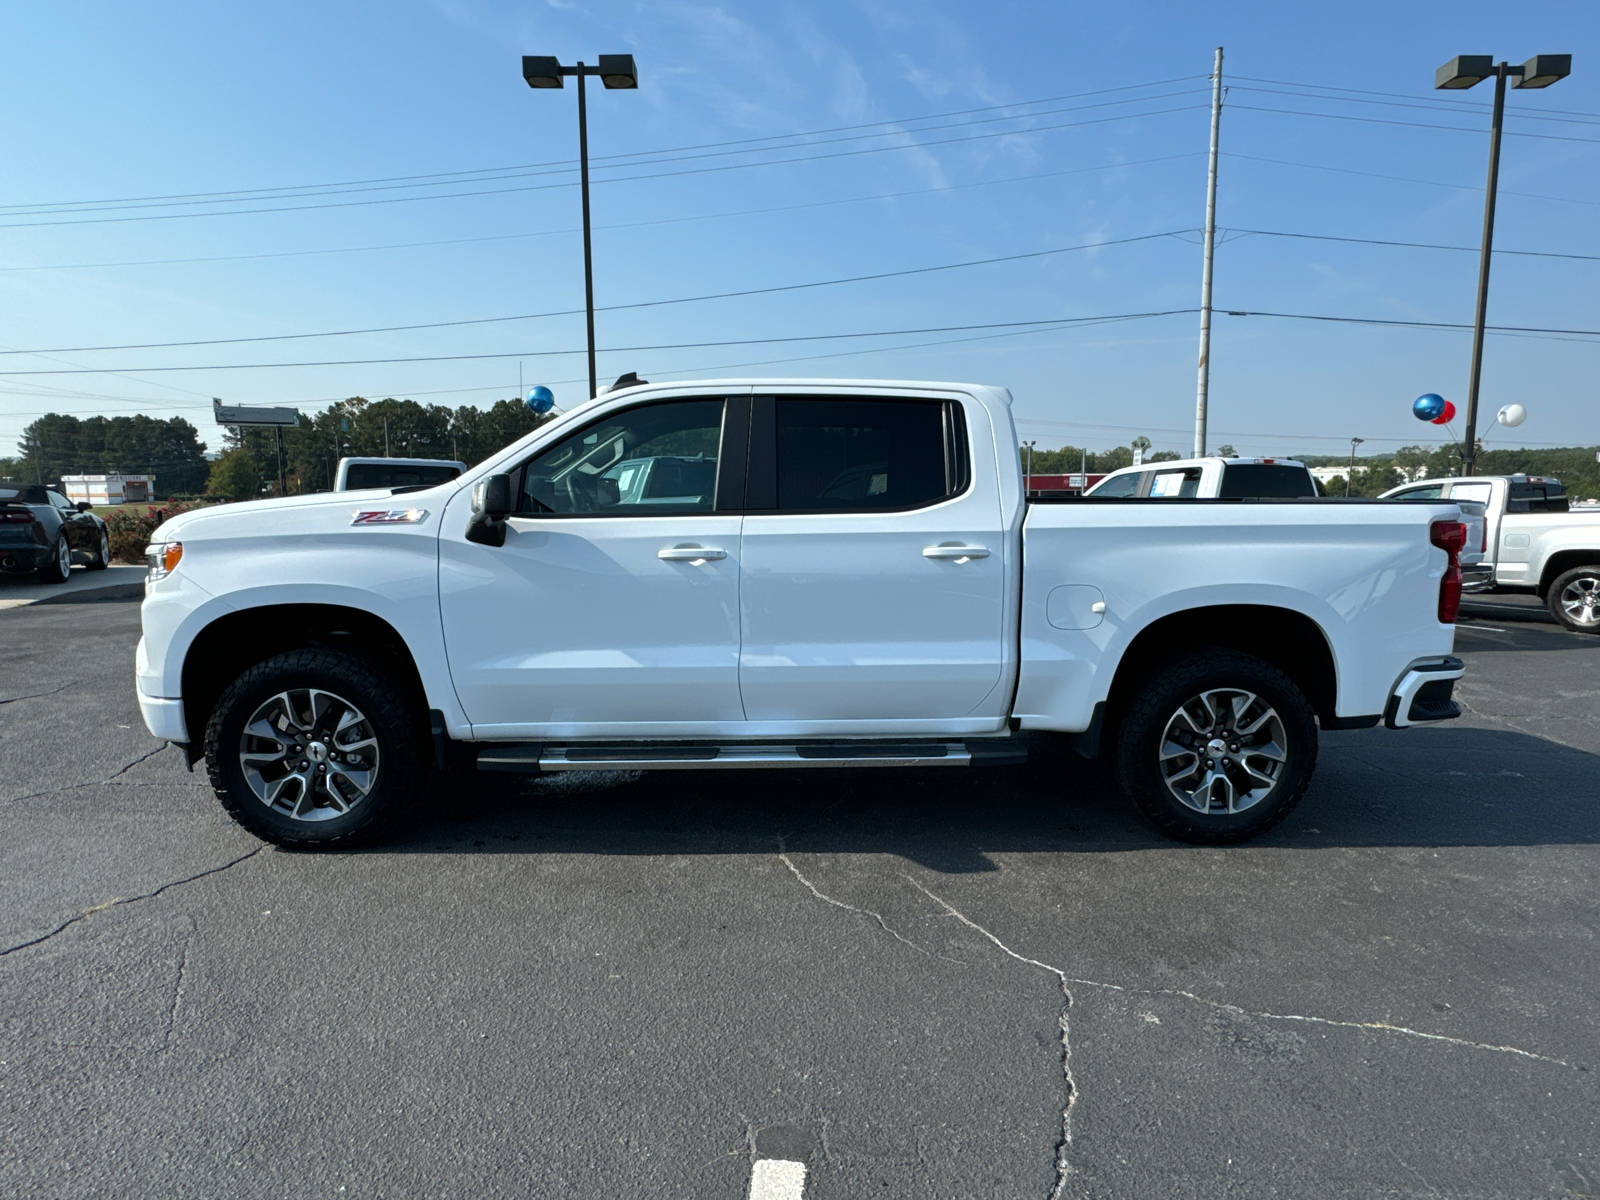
x: 213, y: 521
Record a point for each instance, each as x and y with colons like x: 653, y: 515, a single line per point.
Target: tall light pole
x: 1203, y: 388
x: 1465, y: 71
x: 615, y: 71
x: 1349, y: 475
x: 1027, y: 475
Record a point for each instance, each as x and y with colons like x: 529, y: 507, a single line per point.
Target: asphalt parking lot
x: 920, y: 983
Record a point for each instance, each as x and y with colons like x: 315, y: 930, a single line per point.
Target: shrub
x: 129, y: 531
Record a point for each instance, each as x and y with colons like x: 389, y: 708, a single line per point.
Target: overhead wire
x: 637, y: 304
x: 614, y: 179
x: 897, y: 121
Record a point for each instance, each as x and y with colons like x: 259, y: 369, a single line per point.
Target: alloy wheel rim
x: 105, y: 548
x: 309, y: 754
x: 1223, y: 751
x: 1580, y: 600
x: 64, y: 556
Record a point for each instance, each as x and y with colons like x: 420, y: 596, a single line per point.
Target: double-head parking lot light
x: 1464, y: 71
x: 616, y: 72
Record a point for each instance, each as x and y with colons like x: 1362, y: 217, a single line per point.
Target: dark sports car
x: 41, y: 530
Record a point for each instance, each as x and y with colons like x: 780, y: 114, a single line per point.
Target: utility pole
x: 1203, y: 387
x: 1027, y: 475
x: 386, y: 437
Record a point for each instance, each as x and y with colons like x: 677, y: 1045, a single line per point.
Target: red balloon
x: 1447, y: 415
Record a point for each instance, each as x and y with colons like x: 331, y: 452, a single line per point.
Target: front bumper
x: 1423, y: 693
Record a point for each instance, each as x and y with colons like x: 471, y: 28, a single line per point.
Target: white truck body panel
x: 807, y: 625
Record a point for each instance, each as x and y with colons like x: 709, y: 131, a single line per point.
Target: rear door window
x: 1176, y: 485
x: 1120, y: 485
x: 865, y: 455
x: 387, y: 475
x: 1265, y: 481
x: 1471, y: 491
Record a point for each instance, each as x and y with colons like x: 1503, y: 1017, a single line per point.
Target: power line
x: 362, y: 362
x: 954, y: 187
x: 262, y: 192
x: 616, y: 179
x: 643, y: 159
x: 1328, y: 237
x: 791, y: 287
x: 1462, y: 102
x: 1526, y: 329
x: 1520, y: 114
x: 1462, y: 187
x: 1549, y: 137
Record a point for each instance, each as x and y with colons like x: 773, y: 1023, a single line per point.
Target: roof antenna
x: 631, y: 379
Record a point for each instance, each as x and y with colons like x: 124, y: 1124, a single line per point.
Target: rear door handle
x: 690, y: 554
x: 955, y: 551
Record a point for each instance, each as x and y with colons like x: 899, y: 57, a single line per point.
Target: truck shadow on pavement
x: 1426, y: 787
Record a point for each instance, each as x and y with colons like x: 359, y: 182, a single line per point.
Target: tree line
x: 304, y: 457
x: 58, y: 444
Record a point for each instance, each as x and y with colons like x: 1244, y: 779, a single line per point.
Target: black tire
x: 102, y: 557
x: 1182, y: 683
x: 1578, y: 588
x: 55, y: 571
x: 388, y: 719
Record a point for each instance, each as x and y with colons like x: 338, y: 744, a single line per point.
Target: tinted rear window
x: 1550, y: 496
x: 382, y: 475
x: 1261, y: 481
x: 859, y: 455
x: 22, y: 493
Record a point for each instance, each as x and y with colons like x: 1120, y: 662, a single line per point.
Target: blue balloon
x: 541, y: 399
x: 1424, y: 408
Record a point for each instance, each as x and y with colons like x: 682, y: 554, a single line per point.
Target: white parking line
x: 777, y: 1179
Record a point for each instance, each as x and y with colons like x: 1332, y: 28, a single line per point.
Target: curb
x: 112, y: 591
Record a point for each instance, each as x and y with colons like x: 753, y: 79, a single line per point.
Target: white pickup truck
x: 855, y: 581
x: 1531, y: 542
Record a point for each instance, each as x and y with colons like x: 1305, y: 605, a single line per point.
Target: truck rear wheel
x: 1574, y: 599
x: 313, y: 749
x: 1216, y: 746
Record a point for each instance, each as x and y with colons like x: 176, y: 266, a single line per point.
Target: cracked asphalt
x: 920, y: 983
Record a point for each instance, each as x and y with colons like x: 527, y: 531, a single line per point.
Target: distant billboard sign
x: 239, y: 414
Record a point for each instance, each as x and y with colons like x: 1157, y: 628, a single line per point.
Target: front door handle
x: 690, y: 554
x: 955, y: 551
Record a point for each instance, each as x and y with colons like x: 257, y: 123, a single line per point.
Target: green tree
x: 235, y: 476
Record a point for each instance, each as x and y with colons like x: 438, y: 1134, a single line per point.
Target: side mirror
x: 83, y: 506
x: 491, y: 505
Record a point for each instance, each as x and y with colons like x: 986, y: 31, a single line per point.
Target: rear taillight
x: 16, y: 516
x: 1449, y: 536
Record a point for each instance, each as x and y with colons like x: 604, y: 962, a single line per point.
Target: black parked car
x: 41, y: 530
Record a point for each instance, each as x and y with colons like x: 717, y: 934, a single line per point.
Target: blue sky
x: 959, y: 132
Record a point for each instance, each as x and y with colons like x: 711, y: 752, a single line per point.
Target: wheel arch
x: 1562, y: 561
x: 1289, y: 640
x: 236, y: 641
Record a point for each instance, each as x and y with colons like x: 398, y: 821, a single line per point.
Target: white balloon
x: 1512, y: 415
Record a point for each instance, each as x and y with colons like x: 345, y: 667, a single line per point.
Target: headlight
x: 162, y: 558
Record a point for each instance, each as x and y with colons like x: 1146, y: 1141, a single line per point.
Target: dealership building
x: 104, y: 490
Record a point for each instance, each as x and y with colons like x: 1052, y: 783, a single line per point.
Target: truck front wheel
x: 1574, y: 599
x: 313, y: 749
x: 1215, y: 746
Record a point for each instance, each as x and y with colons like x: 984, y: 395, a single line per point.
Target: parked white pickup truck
x: 1532, y: 542
x: 857, y: 582
x: 1210, y: 478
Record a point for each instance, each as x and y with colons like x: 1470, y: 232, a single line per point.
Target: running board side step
x: 533, y: 758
